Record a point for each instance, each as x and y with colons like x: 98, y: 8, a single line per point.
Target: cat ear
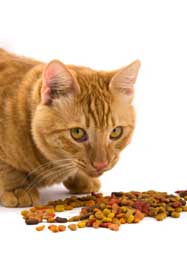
x: 124, y: 80
x: 57, y: 79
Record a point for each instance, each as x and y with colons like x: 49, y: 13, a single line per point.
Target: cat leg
x: 81, y: 183
x: 14, y: 188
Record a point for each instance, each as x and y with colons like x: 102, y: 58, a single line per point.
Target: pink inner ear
x: 52, y: 71
x: 46, y: 95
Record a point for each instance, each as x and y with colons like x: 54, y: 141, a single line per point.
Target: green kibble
x: 124, y: 209
x: 161, y: 216
x: 106, y: 212
x: 107, y: 220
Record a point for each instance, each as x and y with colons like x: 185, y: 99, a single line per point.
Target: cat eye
x: 116, y: 133
x: 79, y: 134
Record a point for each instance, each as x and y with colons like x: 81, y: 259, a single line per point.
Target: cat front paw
x: 20, y: 197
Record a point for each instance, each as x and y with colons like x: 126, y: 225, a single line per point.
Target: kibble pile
x: 99, y: 211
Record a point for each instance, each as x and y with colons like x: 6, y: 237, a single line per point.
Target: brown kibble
x: 90, y: 203
x: 32, y: 221
x: 72, y: 227
x: 68, y: 207
x: 60, y: 220
x: 74, y: 219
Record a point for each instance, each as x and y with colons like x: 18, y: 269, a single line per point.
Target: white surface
x: 108, y: 35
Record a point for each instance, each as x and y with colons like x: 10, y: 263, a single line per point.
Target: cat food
x: 72, y: 227
x: 110, y: 211
x: 40, y: 228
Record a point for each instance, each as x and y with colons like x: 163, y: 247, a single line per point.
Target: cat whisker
x: 42, y: 175
x: 42, y: 167
x: 80, y: 164
x: 67, y: 171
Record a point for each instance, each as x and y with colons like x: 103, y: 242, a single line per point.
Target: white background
x: 108, y: 35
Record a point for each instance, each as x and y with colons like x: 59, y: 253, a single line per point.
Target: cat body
x: 60, y: 123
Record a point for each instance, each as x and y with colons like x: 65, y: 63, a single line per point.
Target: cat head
x: 85, y: 118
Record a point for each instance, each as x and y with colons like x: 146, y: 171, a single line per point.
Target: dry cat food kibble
x: 99, y: 211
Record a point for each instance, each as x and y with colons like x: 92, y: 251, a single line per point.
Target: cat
x: 60, y: 123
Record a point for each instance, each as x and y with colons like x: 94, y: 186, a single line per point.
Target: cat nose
x: 100, y: 165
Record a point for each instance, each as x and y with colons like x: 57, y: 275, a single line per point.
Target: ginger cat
x: 60, y: 123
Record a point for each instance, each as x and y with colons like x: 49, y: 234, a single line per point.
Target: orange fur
x: 39, y: 104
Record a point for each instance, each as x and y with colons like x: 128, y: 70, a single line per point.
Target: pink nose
x: 100, y: 165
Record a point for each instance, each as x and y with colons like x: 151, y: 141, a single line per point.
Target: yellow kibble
x: 175, y: 214
x: 184, y: 208
x: 130, y: 219
x: 169, y: 208
x: 91, y: 217
x: 124, y: 209
x: 50, y: 211
x: 178, y: 209
x: 24, y: 213
x: 99, y: 215
x: 59, y: 208
x: 107, y: 220
x: 111, y: 215
x: 81, y: 224
x: 40, y: 228
x: 161, y: 216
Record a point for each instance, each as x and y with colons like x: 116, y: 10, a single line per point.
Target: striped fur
x: 36, y: 148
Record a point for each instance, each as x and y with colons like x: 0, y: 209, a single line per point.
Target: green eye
x: 79, y: 134
x: 116, y: 133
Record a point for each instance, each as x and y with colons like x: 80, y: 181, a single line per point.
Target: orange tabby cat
x: 60, y: 123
